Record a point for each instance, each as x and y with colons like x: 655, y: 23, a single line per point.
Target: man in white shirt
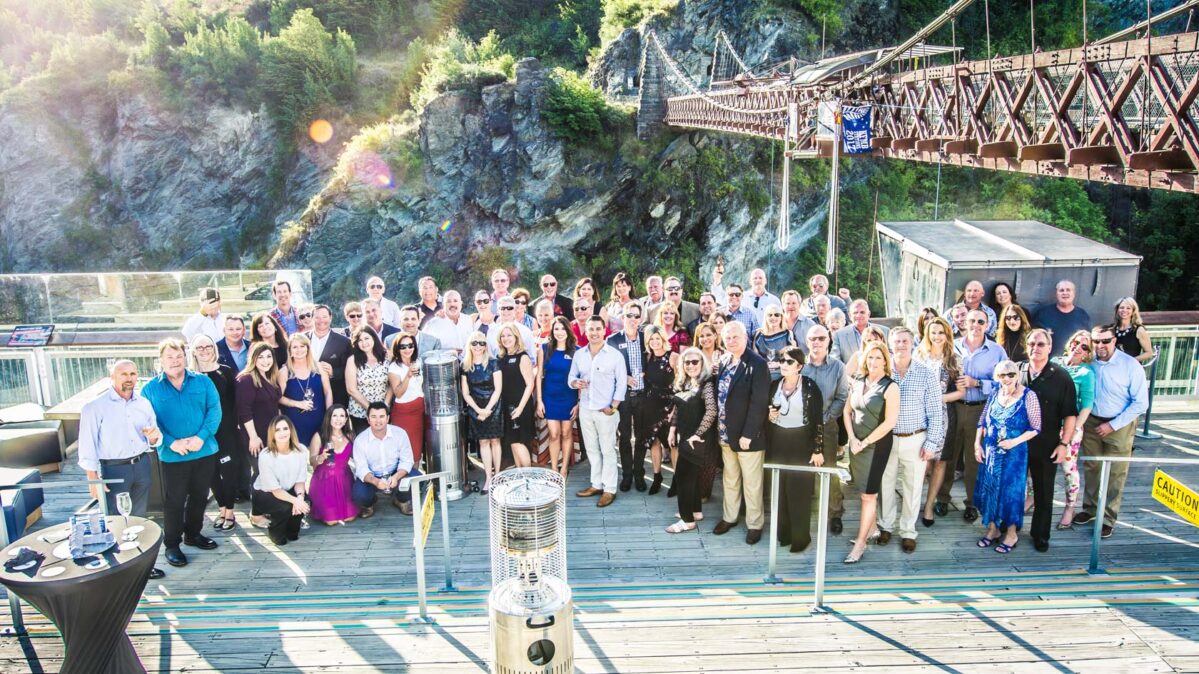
x: 117, y: 433
x: 382, y: 457
x: 453, y: 330
x: 387, y: 308
x: 507, y: 308
x: 210, y: 321
x: 757, y: 297
x: 598, y: 372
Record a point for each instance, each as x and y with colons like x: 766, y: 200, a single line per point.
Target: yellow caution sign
x: 426, y: 516
x: 1176, y: 496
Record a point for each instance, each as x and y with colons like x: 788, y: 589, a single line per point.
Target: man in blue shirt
x: 233, y: 349
x: 1121, y: 395
x: 188, y: 411
x: 979, y: 357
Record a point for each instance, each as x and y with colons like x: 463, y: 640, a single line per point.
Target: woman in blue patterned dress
x: 1011, y: 418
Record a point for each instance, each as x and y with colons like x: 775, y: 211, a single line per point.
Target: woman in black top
x: 516, y: 372
x: 1131, y: 336
x: 230, y: 460
x: 659, y: 370
x: 692, y: 434
x: 265, y: 328
x: 795, y: 437
x: 1012, y: 330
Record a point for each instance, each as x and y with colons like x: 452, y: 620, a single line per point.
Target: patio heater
x: 530, y: 604
x: 443, y: 437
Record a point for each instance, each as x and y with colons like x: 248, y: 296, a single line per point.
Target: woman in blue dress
x: 1011, y: 418
x: 557, y: 402
x: 306, y: 390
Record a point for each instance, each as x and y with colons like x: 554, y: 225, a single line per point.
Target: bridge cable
x: 673, y: 69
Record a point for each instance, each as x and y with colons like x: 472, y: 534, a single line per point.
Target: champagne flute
x: 125, y: 505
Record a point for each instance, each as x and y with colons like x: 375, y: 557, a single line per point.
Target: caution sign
x: 1176, y: 496
x: 426, y: 516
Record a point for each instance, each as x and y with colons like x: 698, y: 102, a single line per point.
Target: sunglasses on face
x: 304, y: 317
x: 633, y: 316
x: 1007, y: 375
x: 734, y: 294
x: 407, y: 346
x: 582, y: 307
x: 674, y: 289
x: 483, y: 300
x: 1080, y: 345
x: 818, y: 338
x: 979, y: 321
x: 1109, y: 340
x: 522, y: 302
x: 354, y: 316
x: 549, y: 284
x: 1012, y: 318
x: 692, y: 361
x: 377, y: 286
x: 508, y: 308
x: 788, y: 361
x: 478, y: 343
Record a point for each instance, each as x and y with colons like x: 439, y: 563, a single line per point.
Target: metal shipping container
x: 929, y: 263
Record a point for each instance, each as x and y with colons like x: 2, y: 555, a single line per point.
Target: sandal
x: 1004, y: 548
x: 229, y: 523
x: 680, y: 527
x: 985, y: 542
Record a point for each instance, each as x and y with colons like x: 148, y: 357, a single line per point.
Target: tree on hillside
x: 306, y: 68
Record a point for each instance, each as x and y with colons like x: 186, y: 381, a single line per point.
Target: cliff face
x: 131, y: 181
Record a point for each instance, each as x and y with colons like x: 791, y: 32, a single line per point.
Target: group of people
x: 305, y: 420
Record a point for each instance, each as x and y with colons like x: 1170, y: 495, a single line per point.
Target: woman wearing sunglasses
x: 795, y: 437
x: 408, y: 391
x: 694, y: 433
x: 1013, y: 331
x: 1011, y: 417
x: 1077, y: 363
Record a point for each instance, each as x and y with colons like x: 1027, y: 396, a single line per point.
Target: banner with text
x: 855, y: 129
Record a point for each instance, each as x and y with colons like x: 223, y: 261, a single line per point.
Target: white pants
x: 905, y: 474
x: 599, y: 436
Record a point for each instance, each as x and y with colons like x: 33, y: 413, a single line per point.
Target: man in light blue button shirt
x: 599, y: 374
x: 1121, y: 395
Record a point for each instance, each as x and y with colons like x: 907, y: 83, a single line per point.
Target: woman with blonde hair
x: 519, y: 385
x: 230, y: 461
x: 936, y: 351
x: 693, y: 432
x: 1131, y: 336
x: 306, y: 390
x: 482, y: 384
x: 659, y: 369
x: 669, y: 320
x: 870, y: 415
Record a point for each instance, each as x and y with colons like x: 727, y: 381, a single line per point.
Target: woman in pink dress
x: 329, y: 453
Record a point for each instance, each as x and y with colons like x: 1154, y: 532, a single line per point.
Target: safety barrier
x: 412, y: 484
x: 825, y: 474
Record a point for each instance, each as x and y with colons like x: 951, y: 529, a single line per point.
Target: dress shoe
x: 940, y: 509
x: 590, y: 491
x: 639, y: 480
x: 366, y: 513
x: 293, y: 537
x: 927, y: 522
x: 971, y: 514
x: 721, y: 527
x: 884, y: 537
x: 606, y: 500
x: 835, y: 527
x: 175, y: 556
x: 1107, y: 531
x: 657, y: 484
x: 200, y: 541
x: 157, y: 573
x: 1083, y: 518
x: 279, y: 540
x: 626, y: 483
x: 405, y: 508
x: 908, y: 545
x: 1040, y: 545
x: 800, y: 547
x: 753, y: 536
x: 670, y: 493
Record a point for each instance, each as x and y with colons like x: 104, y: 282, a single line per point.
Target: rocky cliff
x: 141, y: 180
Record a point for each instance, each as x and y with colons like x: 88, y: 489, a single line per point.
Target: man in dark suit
x: 331, y: 350
x: 630, y: 344
x: 743, y: 395
x: 563, y: 305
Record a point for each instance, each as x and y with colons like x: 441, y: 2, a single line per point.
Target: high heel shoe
x: 851, y: 558
x: 657, y: 485
x: 670, y: 493
x: 927, y: 521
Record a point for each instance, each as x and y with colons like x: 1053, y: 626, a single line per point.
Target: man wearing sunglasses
x: 747, y: 317
x: 563, y: 305
x: 979, y: 357
x: 688, y: 311
x: 1059, y: 413
x: 508, y: 314
x: 388, y: 308
x: 755, y: 300
x: 1121, y: 395
x: 630, y: 344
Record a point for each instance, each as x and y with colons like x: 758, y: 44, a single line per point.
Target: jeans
x: 366, y: 495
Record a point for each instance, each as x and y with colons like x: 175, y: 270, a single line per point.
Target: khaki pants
x: 905, y: 475
x: 965, y: 432
x: 1117, y: 443
x: 743, y: 470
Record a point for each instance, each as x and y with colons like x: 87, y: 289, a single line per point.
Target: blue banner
x: 855, y: 129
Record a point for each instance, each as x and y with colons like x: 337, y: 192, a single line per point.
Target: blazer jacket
x: 748, y: 402
x: 337, y: 352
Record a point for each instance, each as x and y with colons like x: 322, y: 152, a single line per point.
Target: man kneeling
x: 382, y: 457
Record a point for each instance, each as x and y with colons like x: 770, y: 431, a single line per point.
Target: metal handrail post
x: 445, y: 536
x: 14, y: 602
x: 412, y: 484
x: 1145, y: 433
x: 826, y: 474
x: 1097, y: 534
x: 774, y: 529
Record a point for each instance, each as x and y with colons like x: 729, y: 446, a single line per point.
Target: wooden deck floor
x: 343, y: 598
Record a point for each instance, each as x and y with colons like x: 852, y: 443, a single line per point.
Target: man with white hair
x: 654, y: 294
x: 388, y: 309
x: 117, y: 432
x: 453, y: 330
x: 756, y: 299
x: 818, y: 284
x: 743, y: 401
x: 848, y: 340
x: 917, y: 439
x: 499, y: 284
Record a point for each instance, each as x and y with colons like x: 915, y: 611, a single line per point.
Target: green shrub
x: 224, y: 58
x: 305, y: 69
x: 456, y: 62
x: 621, y: 14
x: 370, y: 22
x: 573, y: 109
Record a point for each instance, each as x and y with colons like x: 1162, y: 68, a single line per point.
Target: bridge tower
x: 651, y: 103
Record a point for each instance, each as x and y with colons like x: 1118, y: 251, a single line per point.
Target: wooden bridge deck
x: 343, y: 598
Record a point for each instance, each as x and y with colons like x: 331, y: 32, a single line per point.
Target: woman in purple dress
x: 329, y: 453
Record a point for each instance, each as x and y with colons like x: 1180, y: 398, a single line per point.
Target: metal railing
x: 1177, y: 360
x: 1104, y: 477
x: 14, y: 602
x: 18, y: 377
x: 412, y: 484
x: 825, y: 474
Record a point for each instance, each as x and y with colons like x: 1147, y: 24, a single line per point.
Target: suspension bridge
x: 1117, y: 110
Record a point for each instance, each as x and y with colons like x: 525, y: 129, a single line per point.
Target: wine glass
x: 125, y: 505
